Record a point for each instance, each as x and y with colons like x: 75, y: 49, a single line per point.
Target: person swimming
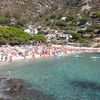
x: 78, y: 56
x: 95, y: 57
x: 9, y: 76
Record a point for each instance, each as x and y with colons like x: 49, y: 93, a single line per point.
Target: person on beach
x: 25, y: 54
x: 10, y: 59
x: 33, y: 56
x: 6, y: 57
x: 9, y: 75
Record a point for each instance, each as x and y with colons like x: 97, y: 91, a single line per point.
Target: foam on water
x: 66, y: 78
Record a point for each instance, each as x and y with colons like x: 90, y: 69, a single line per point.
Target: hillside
x: 80, y: 18
x: 31, y: 9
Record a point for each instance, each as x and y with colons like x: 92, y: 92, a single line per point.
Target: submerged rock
x: 17, y: 89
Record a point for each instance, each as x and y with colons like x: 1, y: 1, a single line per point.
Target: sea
x: 75, y: 77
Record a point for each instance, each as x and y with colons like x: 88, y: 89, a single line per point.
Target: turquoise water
x: 65, y: 78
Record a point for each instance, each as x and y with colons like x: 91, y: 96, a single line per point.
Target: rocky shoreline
x: 17, y: 89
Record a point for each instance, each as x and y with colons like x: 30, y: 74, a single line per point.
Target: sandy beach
x: 9, y: 53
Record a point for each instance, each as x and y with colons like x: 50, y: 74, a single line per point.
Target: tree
x: 76, y: 36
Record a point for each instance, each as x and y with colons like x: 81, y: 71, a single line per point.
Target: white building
x: 27, y: 30
x: 31, y: 30
x: 64, y: 37
x: 63, y: 18
x: 50, y: 36
x: 60, y: 37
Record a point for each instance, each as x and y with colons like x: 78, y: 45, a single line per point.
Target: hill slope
x: 31, y: 9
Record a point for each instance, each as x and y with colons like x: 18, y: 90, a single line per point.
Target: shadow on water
x: 86, y: 85
x: 17, y: 89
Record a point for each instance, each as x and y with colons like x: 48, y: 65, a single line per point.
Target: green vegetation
x: 55, y: 27
x: 4, y: 20
x: 83, y: 20
x: 71, y: 17
x: 21, y: 22
x: 13, y: 35
x: 73, y: 24
x: 67, y: 24
x: 76, y: 36
x: 8, y: 21
x: 97, y: 15
x: 39, y: 38
x: 90, y: 29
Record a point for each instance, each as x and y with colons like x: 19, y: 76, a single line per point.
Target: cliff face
x: 33, y: 8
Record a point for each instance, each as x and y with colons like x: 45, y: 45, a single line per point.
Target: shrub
x: 39, y: 37
x: 4, y: 20
x: 55, y: 27
x: 76, y: 36
x: 83, y: 20
x: 21, y: 22
x: 13, y: 35
x: 97, y: 14
x: 71, y: 16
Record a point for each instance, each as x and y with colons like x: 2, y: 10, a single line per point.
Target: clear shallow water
x: 66, y: 78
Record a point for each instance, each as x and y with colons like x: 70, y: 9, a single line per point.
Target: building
x: 31, y: 30
x: 60, y: 37
x: 97, y: 40
x: 64, y: 18
x: 97, y: 23
x: 50, y: 37
x: 63, y: 37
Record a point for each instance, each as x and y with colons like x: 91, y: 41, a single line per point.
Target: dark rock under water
x: 86, y: 85
x: 17, y: 89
